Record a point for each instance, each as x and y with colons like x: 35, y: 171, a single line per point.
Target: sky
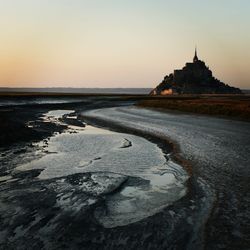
x: 120, y: 43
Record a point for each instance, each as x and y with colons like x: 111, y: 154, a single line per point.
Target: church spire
x: 195, y: 55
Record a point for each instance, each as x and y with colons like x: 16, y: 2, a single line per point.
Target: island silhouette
x: 194, y: 78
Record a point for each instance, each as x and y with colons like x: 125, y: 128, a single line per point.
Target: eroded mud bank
x: 91, y: 188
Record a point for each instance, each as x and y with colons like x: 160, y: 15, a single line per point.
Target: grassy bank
x: 229, y: 106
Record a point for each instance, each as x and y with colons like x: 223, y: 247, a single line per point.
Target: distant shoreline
x: 77, y: 90
x: 81, y: 91
x: 226, y: 106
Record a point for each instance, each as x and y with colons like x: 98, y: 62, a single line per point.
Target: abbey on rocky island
x: 194, y: 78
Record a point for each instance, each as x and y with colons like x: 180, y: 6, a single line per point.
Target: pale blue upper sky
x: 120, y: 43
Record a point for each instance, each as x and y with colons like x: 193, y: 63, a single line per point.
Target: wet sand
x: 218, y: 150
x: 64, y: 211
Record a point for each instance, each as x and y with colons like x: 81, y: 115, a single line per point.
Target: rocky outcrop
x: 194, y: 78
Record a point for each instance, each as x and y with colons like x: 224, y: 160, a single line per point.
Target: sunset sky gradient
x: 120, y: 43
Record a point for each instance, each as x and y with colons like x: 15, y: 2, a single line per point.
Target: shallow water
x: 57, y: 113
x: 11, y: 102
x: 114, y: 157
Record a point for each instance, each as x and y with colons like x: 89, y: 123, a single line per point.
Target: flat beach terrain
x: 81, y: 171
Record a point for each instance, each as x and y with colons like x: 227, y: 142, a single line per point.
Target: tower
x: 195, y: 56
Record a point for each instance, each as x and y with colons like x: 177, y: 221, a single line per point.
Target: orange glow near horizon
x: 167, y: 92
x: 112, y: 43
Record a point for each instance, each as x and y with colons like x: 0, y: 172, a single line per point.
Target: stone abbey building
x: 194, y: 78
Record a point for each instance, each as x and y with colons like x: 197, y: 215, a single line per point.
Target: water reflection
x: 156, y: 182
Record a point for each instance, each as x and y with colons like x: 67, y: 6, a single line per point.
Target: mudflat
x: 100, y: 172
